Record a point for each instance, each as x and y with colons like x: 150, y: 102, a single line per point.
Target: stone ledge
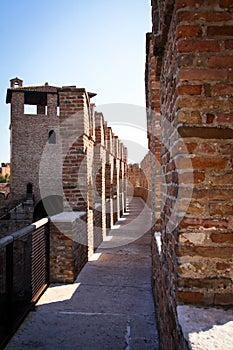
x: 67, y: 216
x: 206, y: 328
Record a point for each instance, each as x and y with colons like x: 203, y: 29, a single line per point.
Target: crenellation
x: 65, y: 165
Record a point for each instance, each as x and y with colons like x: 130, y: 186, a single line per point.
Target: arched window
x: 52, y: 137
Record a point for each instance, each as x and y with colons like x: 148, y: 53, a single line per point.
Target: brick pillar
x: 203, y: 48
x: 74, y: 147
x: 52, y: 105
x: 77, y: 148
x: 109, y: 177
x: 99, y: 180
x: 17, y: 109
x: 121, y: 178
x: 116, y: 180
x: 125, y: 158
x: 68, y: 246
x: 152, y: 78
x: 40, y: 109
x: 90, y: 196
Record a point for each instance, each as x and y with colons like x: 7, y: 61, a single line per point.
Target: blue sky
x: 99, y: 45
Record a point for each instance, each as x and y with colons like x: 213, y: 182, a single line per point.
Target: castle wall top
x: 34, y: 95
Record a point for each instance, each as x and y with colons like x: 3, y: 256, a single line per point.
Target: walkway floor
x: 110, y: 306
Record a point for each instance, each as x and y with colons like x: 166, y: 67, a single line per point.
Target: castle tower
x: 34, y: 130
x: 51, y: 146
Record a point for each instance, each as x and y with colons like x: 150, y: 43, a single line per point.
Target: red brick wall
x: 85, y: 167
x: 99, y: 181
x: 190, y: 56
x: 68, y: 247
x: 109, y: 168
x: 29, y: 136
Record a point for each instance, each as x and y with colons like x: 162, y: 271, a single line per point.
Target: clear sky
x: 96, y: 44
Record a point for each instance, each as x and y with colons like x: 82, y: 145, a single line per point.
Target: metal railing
x: 24, y: 274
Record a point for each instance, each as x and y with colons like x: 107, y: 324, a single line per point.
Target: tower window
x: 30, y: 109
x: 29, y: 188
x: 29, y: 194
x: 52, y: 137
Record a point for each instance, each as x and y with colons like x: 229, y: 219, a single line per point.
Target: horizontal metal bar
x: 26, y: 230
x: 5, y: 241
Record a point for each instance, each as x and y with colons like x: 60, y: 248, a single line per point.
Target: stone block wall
x: 189, y: 107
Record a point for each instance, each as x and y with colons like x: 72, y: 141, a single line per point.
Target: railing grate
x: 24, y: 274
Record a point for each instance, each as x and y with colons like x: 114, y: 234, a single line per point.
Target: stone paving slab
x: 111, y: 304
x: 207, y: 328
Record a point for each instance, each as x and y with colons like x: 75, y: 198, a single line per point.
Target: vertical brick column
x: 77, y: 147
x: 204, y: 78
x: 116, y: 178
x: 90, y: 196
x: 125, y: 170
x: 17, y: 110
x: 109, y: 177
x: 74, y: 147
x: 152, y: 78
x: 40, y: 109
x: 99, y: 180
x: 52, y: 105
x: 68, y: 246
x: 121, y: 178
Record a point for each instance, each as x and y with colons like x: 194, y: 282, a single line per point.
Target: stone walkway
x: 110, y: 306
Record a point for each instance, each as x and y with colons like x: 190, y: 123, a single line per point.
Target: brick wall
x: 109, y: 175
x: 188, y: 88
x: 73, y: 156
x: 29, y: 136
x: 68, y: 246
x: 99, y: 180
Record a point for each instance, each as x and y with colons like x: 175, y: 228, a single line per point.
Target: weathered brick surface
x: 74, y: 156
x: 29, y: 135
x: 68, y: 247
x: 189, y: 61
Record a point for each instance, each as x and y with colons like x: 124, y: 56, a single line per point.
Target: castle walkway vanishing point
x: 110, y: 305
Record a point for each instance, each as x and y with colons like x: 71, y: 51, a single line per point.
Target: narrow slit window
x: 29, y: 188
x: 29, y: 191
x: 52, y: 137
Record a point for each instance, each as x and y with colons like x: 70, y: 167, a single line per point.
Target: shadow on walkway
x: 110, y: 306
